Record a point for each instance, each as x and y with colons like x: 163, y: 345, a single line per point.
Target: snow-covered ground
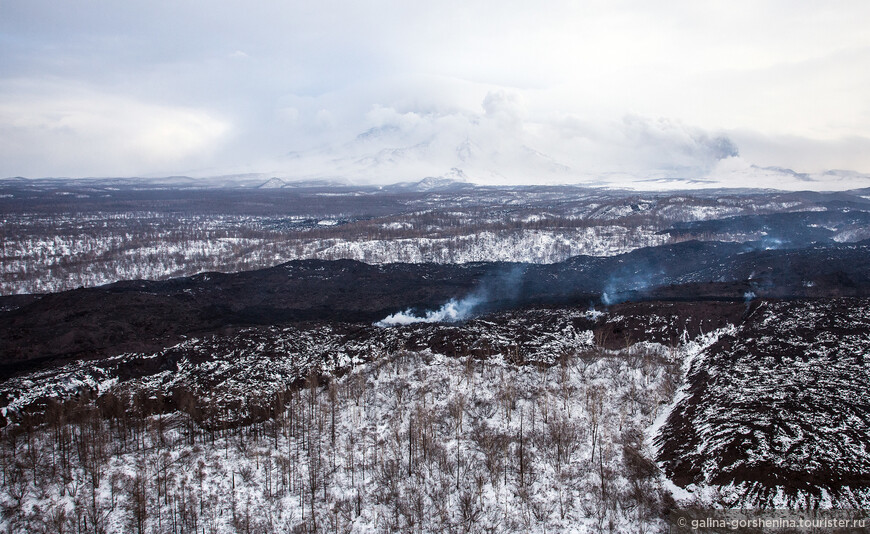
x: 520, y: 422
x: 528, y: 246
x: 133, y: 232
x: 409, y: 442
x: 774, y: 413
x: 39, y: 265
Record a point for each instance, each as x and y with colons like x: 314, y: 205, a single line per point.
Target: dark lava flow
x: 142, y: 315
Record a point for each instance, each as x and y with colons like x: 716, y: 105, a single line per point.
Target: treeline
x: 42, y: 255
x: 52, y: 243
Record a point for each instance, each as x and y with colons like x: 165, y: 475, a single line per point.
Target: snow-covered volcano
x: 504, y: 144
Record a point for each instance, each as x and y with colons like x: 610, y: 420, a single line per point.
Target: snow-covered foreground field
x: 409, y: 442
x: 529, y: 421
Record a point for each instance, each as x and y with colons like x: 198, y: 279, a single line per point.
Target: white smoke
x: 747, y: 298
x: 452, y: 311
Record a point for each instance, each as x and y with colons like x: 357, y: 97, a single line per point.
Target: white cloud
x: 292, y: 76
x: 325, y: 119
x: 58, y: 130
x: 503, y: 106
x: 499, y: 141
x: 802, y: 153
x: 289, y: 114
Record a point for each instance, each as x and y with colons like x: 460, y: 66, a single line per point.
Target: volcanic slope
x: 776, y: 412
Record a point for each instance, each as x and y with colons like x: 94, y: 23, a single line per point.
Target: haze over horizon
x: 562, y: 92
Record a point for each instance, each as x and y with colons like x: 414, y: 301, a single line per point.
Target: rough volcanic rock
x: 140, y: 316
x: 777, y: 409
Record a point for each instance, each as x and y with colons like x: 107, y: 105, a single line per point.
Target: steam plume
x: 452, y: 311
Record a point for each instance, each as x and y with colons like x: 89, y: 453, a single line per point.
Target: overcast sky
x: 92, y: 88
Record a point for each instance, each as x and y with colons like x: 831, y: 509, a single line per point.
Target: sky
x: 388, y: 90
